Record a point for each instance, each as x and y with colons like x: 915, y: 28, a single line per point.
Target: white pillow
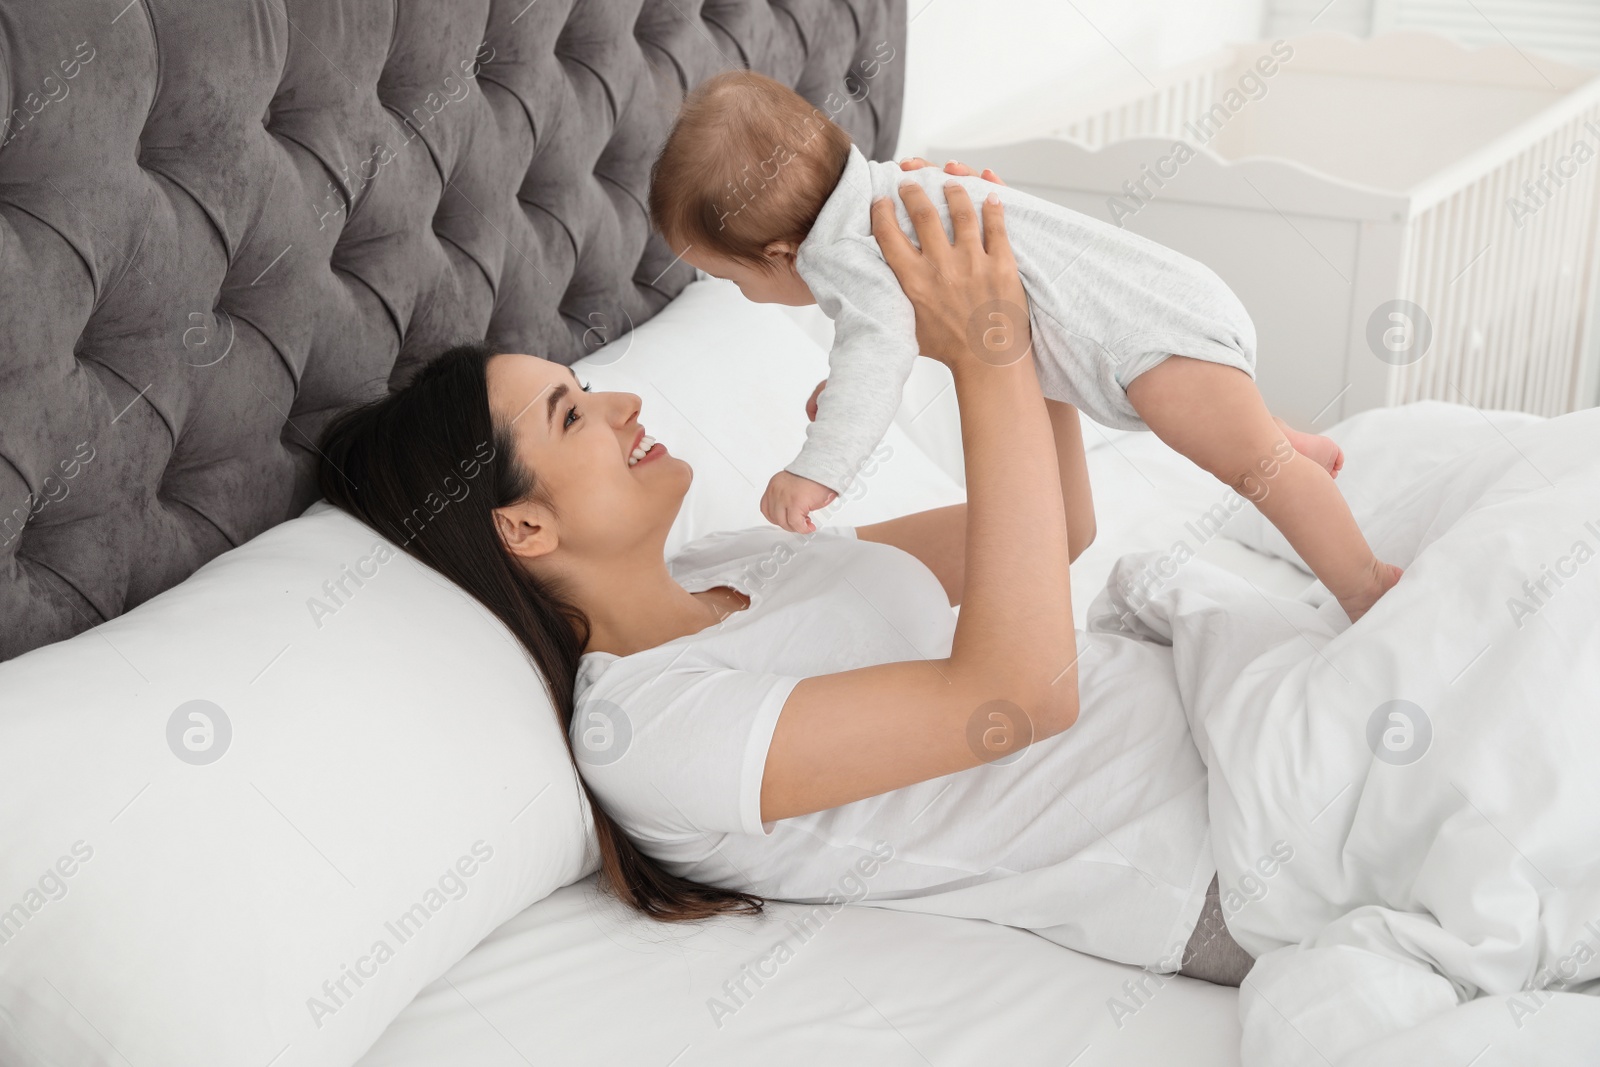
x: 723, y: 384
x: 390, y: 751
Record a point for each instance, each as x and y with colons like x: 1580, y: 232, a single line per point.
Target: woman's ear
x: 526, y: 529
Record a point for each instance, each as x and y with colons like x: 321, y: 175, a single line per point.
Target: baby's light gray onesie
x: 1105, y: 305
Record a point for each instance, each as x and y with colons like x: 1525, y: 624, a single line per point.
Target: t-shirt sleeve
x: 679, y: 747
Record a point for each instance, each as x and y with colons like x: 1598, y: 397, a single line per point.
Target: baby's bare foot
x: 1384, y: 577
x: 1323, y: 451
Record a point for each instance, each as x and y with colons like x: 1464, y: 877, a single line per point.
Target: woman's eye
x: 572, y: 417
x: 586, y: 388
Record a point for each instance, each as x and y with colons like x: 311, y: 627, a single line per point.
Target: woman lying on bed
x: 802, y: 716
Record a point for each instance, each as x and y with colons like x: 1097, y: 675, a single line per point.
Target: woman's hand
x: 960, y: 170
x: 968, y: 296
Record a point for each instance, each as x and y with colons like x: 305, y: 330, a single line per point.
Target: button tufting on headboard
x: 221, y: 222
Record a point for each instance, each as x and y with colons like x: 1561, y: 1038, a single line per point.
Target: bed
x: 854, y: 984
x: 286, y: 798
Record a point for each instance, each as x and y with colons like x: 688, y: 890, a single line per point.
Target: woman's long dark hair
x: 383, y: 460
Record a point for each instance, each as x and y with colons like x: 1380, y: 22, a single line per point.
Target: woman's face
x: 578, y: 445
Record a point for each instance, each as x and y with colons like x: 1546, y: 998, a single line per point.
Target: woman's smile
x: 645, y: 449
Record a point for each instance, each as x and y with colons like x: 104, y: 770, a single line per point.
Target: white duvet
x: 1432, y: 772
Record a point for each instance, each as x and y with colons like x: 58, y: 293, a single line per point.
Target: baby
x: 758, y: 187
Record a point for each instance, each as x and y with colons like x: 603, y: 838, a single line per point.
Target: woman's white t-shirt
x: 1097, y: 838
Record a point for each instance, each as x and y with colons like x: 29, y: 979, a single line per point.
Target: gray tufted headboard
x: 223, y: 220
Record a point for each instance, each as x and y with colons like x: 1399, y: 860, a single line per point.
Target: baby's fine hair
x: 749, y: 161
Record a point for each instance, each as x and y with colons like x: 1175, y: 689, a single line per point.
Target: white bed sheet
x: 575, y: 979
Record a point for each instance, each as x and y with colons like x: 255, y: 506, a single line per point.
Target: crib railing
x: 1506, y: 278
x: 1180, y: 98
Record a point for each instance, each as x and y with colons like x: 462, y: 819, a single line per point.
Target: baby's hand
x: 790, y: 500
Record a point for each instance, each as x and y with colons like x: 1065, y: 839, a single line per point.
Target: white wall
x: 1568, y: 30
x: 1286, y: 18
x: 972, y: 64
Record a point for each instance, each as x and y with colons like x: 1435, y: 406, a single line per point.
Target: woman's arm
x: 1074, y: 468
x: 843, y: 737
x: 938, y: 537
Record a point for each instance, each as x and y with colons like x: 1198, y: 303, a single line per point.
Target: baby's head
x: 740, y: 181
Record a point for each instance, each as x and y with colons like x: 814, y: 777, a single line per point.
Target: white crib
x: 1405, y: 218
